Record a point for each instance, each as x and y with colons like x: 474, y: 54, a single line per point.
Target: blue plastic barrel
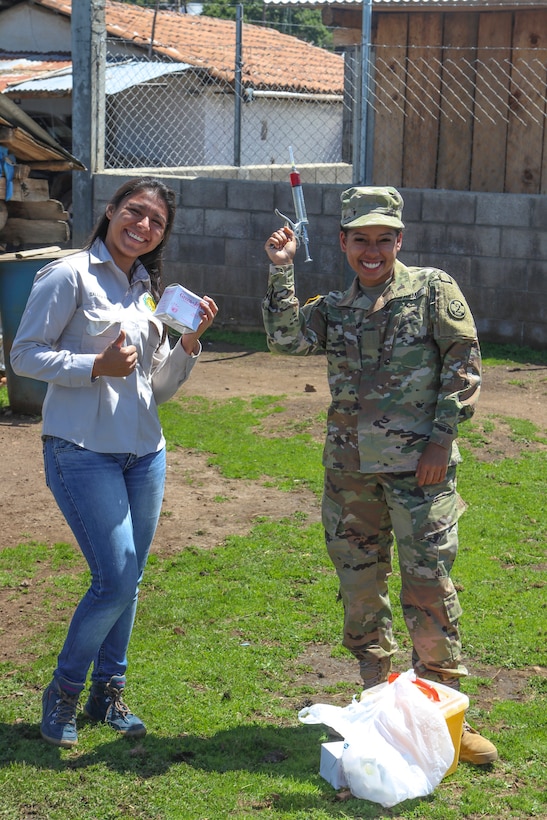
x: 16, y: 277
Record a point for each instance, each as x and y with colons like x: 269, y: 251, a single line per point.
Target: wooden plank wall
x: 460, y: 100
x: 525, y: 136
x: 492, y: 86
x: 389, y: 119
x: 457, y: 93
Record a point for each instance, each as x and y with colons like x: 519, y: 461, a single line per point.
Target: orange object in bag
x: 428, y: 690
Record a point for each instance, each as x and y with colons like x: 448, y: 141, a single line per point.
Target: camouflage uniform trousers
x: 361, y: 514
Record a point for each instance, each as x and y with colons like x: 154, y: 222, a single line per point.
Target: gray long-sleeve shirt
x: 76, y: 309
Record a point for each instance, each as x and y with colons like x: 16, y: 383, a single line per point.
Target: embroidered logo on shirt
x: 456, y: 309
x: 149, y: 302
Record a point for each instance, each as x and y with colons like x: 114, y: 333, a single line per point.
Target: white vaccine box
x: 179, y: 308
x: 330, y: 767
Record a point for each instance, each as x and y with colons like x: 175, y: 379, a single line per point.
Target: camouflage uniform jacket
x: 402, y: 371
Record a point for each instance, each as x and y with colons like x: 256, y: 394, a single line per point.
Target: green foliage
x: 303, y: 23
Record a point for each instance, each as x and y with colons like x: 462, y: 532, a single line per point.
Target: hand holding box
x: 179, y: 308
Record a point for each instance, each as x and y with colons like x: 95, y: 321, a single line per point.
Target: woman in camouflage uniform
x: 404, y: 370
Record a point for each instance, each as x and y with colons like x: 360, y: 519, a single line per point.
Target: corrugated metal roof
x: 118, y: 77
x: 20, y: 69
x: 126, y: 75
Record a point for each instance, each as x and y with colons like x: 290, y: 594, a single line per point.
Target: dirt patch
x: 202, y: 508
x: 318, y: 670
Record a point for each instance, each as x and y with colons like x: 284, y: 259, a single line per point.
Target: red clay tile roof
x: 270, y: 59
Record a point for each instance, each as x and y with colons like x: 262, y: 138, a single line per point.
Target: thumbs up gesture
x: 116, y: 360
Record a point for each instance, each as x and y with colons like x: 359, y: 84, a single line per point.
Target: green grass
x: 502, y: 560
x: 508, y: 354
x: 249, y: 340
x: 231, y: 436
x: 218, y: 653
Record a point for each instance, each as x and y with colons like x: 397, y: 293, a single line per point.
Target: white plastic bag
x: 397, y: 744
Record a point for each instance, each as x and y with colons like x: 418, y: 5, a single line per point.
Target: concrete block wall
x: 495, y: 245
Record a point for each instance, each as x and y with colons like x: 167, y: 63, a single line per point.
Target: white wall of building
x: 32, y: 29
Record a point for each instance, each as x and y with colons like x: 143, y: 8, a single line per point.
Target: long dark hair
x: 152, y: 261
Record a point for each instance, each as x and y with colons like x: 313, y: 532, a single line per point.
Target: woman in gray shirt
x: 89, y: 331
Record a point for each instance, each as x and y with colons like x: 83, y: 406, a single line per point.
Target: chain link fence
x: 439, y: 117
x: 173, y: 115
x: 461, y: 118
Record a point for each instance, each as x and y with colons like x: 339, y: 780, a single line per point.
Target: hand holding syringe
x: 300, y: 226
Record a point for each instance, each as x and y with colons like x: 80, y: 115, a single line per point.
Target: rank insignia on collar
x: 313, y: 299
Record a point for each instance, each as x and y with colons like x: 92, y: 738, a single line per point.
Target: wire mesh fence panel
x: 458, y: 119
x: 162, y: 114
x: 166, y: 114
x: 270, y: 126
x: 439, y: 117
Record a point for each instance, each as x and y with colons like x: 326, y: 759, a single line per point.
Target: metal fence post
x: 88, y: 108
x: 349, y: 109
x: 237, y: 85
x: 360, y: 153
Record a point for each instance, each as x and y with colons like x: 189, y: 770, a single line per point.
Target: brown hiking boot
x: 475, y: 748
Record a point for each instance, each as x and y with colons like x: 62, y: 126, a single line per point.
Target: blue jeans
x: 112, y: 503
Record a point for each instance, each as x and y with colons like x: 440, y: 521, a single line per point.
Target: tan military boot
x: 374, y: 671
x: 475, y: 748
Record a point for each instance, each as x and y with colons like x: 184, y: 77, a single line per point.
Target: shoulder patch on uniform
x: 456, y: 309
x: 312, y: 299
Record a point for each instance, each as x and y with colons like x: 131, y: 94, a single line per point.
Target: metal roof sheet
x: 118, y: 77
x: 20, y: 69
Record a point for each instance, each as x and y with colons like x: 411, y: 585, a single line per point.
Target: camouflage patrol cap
x: 372, y: 206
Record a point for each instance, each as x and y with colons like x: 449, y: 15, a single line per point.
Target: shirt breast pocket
x: 342, y: 345
x: 410, y: 338
x: 101, y: 329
